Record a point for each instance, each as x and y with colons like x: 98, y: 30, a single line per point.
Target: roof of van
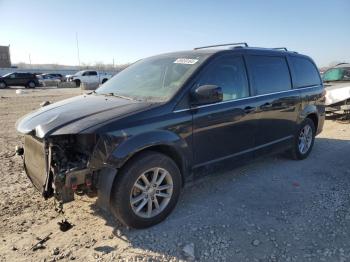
x: 240, y: 49
x: 212, y: 50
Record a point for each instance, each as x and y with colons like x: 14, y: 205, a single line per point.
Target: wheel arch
x: 310, y: 111
x: 314, y: 118
x: 167, y: 150
x: 161, y: 141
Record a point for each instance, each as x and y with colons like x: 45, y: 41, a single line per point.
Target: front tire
x: 3, y: 85
x: 303, y: 140
x: 77, y: 83
x: 146, y: 190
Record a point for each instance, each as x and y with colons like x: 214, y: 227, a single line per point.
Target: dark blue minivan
x: 164, y: 120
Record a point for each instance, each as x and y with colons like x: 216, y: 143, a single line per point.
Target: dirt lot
x: 274, y: 209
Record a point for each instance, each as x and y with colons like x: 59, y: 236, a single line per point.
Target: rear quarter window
x: 305, y: 72
x: 269, y: 74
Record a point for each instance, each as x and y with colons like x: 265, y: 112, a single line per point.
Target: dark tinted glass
x: 228, y: 73
x: 270, y: 74
x: 93, y: 73
x: 306, y: 74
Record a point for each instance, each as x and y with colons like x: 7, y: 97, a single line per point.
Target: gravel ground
x: 273, y: 209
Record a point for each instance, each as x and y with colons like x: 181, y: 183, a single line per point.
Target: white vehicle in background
x: 337, y: 84
x: 89, y: 76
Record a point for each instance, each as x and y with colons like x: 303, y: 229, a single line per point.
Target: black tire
x: 124, y: 183
x: 77, y: 83
x: 2, y: 85
x: 31, y: 84
x: 295, y: 152
x: 104, y: 81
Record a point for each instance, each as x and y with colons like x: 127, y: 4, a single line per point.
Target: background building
x: 5, y: 60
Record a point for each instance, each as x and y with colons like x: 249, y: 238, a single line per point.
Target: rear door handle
x: 249, y: 109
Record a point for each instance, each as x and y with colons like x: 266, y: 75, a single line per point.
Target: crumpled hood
x: 76, y: 114
x: 337, y: 92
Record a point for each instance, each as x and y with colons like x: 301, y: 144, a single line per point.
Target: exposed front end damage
x: 59, y: 166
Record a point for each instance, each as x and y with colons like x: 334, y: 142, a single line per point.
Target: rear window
x: 269, y: 74
x: 306, y: 74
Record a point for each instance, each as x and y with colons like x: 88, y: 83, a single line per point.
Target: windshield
x: 337, y: 74
x: 7, y: 74
x: 79, y: 73
x: 155, y: 78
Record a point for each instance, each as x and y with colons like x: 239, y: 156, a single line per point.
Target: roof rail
x: 281, y: 48
x: 209, y: 46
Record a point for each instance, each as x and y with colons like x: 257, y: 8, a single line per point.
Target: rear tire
x: 31, y: 84
x: 3, y: 85
x: 303, y: 140
x: 139, y: 199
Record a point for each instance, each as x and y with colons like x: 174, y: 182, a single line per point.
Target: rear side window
x: 269, y: 74
x: 93, y: 73
x: 306, y: 74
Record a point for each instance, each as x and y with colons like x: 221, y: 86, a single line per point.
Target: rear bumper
x: 321, y: 120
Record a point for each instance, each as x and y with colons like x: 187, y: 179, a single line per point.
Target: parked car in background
x: 167, y: 119
x: 337, y: 84
x: 54, y: 76
x: 89, y: 76
x: 28, y: 80
x: 48, y: 80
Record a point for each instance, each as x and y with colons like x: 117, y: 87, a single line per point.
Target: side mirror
x: 206, y: 94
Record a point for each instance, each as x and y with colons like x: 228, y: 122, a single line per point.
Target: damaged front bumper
x: 54, y: 172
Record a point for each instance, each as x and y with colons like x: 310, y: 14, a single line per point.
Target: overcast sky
x: 129, y: 30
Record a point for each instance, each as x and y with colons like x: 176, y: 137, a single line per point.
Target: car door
x: 93, y: 77
x: 11, y: 79
x: 23, y: 78
x: 85, y: 77
x: 277, y: 102
x: 226, y: 129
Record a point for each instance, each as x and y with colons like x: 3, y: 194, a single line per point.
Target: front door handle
x: 249, y: 109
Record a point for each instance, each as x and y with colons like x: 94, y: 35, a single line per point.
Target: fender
x: 105, y: 184
x: 129, y: 147
x: 137, y: 143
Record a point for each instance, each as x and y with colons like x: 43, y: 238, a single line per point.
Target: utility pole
x: 76, y: 37
x: 10, y: 57
x: 113, y: 62
x: 30, y: 60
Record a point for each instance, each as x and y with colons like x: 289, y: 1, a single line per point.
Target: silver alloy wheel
x: 305, y: 139
x: 151, y: 192
x: 31, y: 84
x: 2, y: 85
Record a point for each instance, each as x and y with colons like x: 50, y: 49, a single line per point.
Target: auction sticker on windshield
x: 186, y: 61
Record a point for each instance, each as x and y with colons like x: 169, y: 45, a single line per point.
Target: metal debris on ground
x: 40, y: 245
x: 65, y: 225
